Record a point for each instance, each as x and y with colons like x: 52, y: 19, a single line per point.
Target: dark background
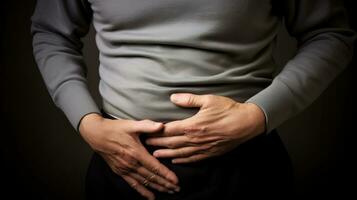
x: 42, y: 157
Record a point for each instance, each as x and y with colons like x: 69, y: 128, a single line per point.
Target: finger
x: 139, y: 187
x: 152, y: 164
x: 182, y: 127
x: 193, y: 158
x: 146, y: 126
x: 175, y: 128
x: 157, y: 179
x: 170, y: 142
x: 151, y: 184
x: 188, y: 99
x: 177, y: 153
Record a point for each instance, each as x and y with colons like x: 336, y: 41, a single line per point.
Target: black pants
x: 260, y: 167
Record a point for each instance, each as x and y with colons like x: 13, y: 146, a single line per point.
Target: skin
x: 117, y: 141
x: 220, y: 125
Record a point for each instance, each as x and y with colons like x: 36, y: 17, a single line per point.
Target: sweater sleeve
x: 57, y: 27
x: 325, y: 48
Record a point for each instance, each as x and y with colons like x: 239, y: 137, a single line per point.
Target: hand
x: 117, y: 141
x: 220, y: 125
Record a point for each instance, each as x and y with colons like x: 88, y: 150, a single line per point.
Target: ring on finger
x: 146, y: 182
x: 151, y: 177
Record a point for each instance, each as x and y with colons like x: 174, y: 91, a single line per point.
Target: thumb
x: 147, y: 126
x: 187, y: 99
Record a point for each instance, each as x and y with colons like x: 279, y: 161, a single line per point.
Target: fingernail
x: 170, y: 192
x: 175, y: 97
x: 177, y: 189
x: 156, y: 154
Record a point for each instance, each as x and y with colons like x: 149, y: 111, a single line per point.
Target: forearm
x: 57, y: 27
x: 325, y: 49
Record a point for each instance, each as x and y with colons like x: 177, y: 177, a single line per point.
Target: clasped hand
x: 220, y: 125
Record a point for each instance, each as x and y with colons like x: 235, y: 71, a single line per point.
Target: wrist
x: 90, y: 122
x: 257, y: 117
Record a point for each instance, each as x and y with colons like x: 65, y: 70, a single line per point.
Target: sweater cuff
x: 74, y: 99
x: 277, y: 103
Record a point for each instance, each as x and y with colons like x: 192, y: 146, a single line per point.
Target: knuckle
x: 122, y: 171
x: 202, y: 149
x: 203, y: 129
x: 132, y: 166
x: 209, y: 98
x: 206, y: 146
x: 134, y: 186
x: 214, y: 144
x: 145, y: 193
x: 165, y: 173
x: 146, y: 121
x: 161, y: 189
x: 189, y: 100
x: 189, y: 129
x: 170, y: 145
x: 155, y: 169
x: 196, y: 129
x: 126, y: 170
x: 127, y: 167
x: 192, y: 131
x: 195, y: 141
x: 118, y: 152
x: 168, y: 185
x: 116, y: 170
x: 192, y: 139
x: 132, y: 154
x: 180, y: 153
x: 209, y: 146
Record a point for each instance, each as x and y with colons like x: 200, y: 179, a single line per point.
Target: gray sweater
x: 150, y: 49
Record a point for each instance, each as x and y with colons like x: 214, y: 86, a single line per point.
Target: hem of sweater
x: 74, y: 99
x: 276, y: 102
